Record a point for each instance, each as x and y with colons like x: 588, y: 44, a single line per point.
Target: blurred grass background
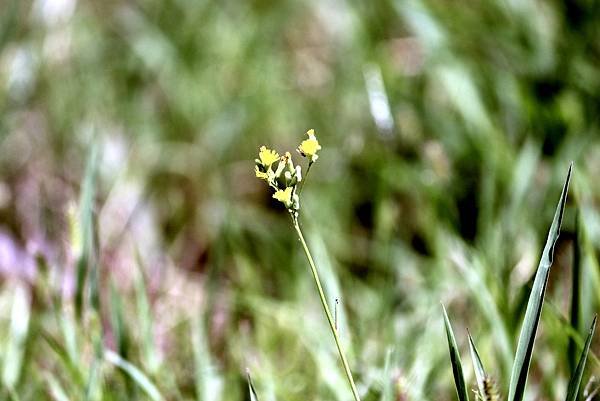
x: 447, y: 129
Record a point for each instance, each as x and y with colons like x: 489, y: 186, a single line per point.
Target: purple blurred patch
x: 14, y: 260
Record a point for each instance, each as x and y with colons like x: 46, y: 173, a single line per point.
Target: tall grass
x: 445, y: 133
x: 524, y: 352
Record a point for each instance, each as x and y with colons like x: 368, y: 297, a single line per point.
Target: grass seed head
x: 489, y: 391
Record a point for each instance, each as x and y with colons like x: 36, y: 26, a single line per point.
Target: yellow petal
x: 309, y: 147
x: 267, y: 156
x: 284, y: 196
x: 260, y: 174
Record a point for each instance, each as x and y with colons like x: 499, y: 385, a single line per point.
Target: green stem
x: 313, y: 270
x: 304, y: 178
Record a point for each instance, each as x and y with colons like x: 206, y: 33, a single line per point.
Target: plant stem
x: 304, y: 178
x: 313, y: 270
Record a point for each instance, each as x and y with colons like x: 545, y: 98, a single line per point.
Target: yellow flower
x: 267, y: 156
x: 284, y: 196
x: 260, y: 174
x: 309, y: 147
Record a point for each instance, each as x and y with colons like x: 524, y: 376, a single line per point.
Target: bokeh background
x: 166, y: 271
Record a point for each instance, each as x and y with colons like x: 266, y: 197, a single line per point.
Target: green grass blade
x: 68, y: 365
x: 473, y: 272
x: 14, y: 347
x: 575, y: 295
x: 459, y: 380
x: 480, y: 374
x: 556, y: 316
x: 86, y: 221
x: 55, y: 390
x: 575, y: 382
x: 251, y: 390
x: 92, y: 386
x: 207, y: 381
x: 151, y: 358
x: 136, y: 374
x: 117, y: 320
x: 387, y: 394
x: 518, y: 377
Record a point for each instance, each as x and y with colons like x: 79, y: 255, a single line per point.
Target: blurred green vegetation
x: 447, y: 128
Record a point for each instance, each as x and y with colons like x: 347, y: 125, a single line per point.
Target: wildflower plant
x: 286, y: 180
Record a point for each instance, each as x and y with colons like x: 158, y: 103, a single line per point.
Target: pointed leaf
x: 480, y: 374
x: 459, y: 380
x: 574, y: 383
x: 253, y: 396
x: 575, y: 295
x: 518, y: 377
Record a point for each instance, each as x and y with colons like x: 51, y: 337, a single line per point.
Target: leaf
x: 86, y: 221
x: 480, y: 374
x: 207, y: 380
x: 135, y: 373
x: 575, y: 294
x: 518, y: 377
x: 459, y: 380
x: 574, y: 383
x: 65, y: 362
x: 151, y: 358
x: 388, y: 386
x: 55, y: 389
x: 472, y: 269
x: 14, y: 348
x: 251, y: 390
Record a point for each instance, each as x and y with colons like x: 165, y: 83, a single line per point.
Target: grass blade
x: 575, y: 294
x: 472, y: 268
x: 387, y: 393
x: 55, y: 390
x: 151, y: 358
x: 136, y: 374
x: 459, y: 380
x: 518, y: 377
x: 207, y: 381
x: 86, y: 219
x: 480, y: 374
x: 251, y: 390
x: 575, y: 382
x: 14, y: 347
x: 68, y: 365
x: 117, y: 319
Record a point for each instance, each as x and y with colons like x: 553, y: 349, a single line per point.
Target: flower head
x: 282, y: 175
x: 267, y: 156
x: 309, y: 147
x: 284, y: 196
x: 261, y: 174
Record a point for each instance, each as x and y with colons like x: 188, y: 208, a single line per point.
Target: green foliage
x: 529, y: 327
x: 518, y: 377
x: 445, y: 130
x: 480, y: 374
x: 251, y: 390
x: 575, y: 382
x: 459, y: 380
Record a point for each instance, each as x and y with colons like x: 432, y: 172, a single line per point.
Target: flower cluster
x: 282, y: 175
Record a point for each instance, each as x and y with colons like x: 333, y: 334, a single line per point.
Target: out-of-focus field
x: 447, y: 129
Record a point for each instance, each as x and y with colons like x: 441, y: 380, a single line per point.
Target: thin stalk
x: 315, y: 275
x: 304, y: 178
